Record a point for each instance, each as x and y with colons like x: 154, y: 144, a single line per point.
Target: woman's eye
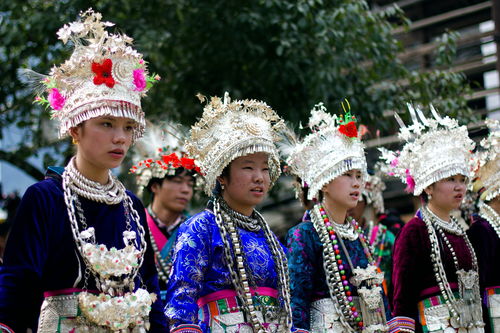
x: 129, y: 128
x: 107, y: 124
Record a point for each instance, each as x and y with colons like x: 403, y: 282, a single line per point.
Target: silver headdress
x: 331, y: 149
x: 231, y: 129
x: 435, y: 148
x: 160, y: 152
x: 374, y: 187
x: 486, y: 164
x: 103, y: 76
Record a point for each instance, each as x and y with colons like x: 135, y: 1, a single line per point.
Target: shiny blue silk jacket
x: 199, y: 267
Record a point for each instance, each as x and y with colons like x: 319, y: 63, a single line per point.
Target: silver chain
x: 70, y: 186
x: 438, y: 266
x: 232, y: 245
x: 111, y: 193
x: 332, y: 272
x: 246, y: 222
x: 451, y: 226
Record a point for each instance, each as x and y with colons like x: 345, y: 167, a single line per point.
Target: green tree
x: 290, y: 53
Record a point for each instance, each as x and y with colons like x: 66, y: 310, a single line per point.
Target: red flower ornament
x: 103, y: 73
x: 349, y: 130
x: 187, y: 163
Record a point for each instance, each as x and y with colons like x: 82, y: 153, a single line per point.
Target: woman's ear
x: 155, y: 187
x: 75, y: 133
x: 428, y: 190
x: 221, y: 180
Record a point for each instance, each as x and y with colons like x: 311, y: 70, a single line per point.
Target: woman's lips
x: 117, y: 153
x: 257, y: 191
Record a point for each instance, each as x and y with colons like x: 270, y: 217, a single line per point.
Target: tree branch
x: 13, y: 158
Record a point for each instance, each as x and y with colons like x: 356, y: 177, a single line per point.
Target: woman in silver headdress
x: 484, y: 232
x: 335, y: 285
x: 79, y: 248
x: 169, y: 176
x: 435, y: 275
x: 229, y: 271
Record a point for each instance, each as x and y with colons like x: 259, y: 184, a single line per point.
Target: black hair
x: 424, y: 197
x: 225, y: 173
x: 304, y: 190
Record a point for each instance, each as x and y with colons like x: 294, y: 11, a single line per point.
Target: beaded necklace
x: 489, y: 214
x: 164, y: 265
x: 340, y: 291
x: 466, y: 311
x: 238, y: 266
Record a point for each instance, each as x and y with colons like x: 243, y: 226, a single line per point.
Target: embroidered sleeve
x: 190, y: 262
x: 301, y: 257
x: 5, y: 329
x: 186, y: 328
x: 299, y: 330
x: 401, y: 324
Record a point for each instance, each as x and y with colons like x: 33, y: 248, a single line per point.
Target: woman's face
x: 345, y: 190
x: 448, y: 193
x: 247, y: 183
x: 104, y: 141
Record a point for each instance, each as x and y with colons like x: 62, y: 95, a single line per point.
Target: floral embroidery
x: 199, y: 267
x: 103, y: 73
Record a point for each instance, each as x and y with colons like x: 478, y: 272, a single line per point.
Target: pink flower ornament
x: 139, y: 79
x: 410, y: 182
x: 55, y: 99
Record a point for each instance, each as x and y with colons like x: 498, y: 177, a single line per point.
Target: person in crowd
x: 335, y: 283
x: 169, y: 177
x: 484, y: 233
x: 435, y: 271
x: 367, y: 213
x: 229, y: 271
x: 78, y: 257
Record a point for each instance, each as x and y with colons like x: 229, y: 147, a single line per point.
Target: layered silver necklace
x: 114, y: 269
x: 250, y: 223
x: 345, y: 230
x: 238, y: 266
x: 490, y: 215
x: 465, y: 311
x: 451, y: 226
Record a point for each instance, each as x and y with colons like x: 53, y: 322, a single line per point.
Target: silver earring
x: 222, y: 187
x: 429, y: 197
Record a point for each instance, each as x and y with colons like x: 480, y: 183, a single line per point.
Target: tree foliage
x: 290, y: 53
